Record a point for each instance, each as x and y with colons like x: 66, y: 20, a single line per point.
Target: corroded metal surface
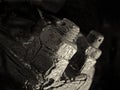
x: 55, y: 56
x: 83, y: 80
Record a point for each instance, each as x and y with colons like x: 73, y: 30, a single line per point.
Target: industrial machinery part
x: 54, y: 55
x: 65, y: 36
x: 81, y: 78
